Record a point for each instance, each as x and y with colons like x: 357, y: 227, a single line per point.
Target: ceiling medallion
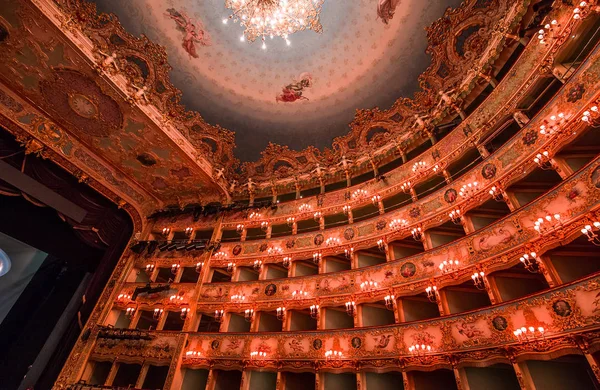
x: 83, y: 106
x: 271, y: 18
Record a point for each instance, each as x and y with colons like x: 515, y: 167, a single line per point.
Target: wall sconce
x: 548, y: 223
x: 582, y: 11
x: 351, y: 308
x: 417, y: 234
x: 193, y: 354
x: 317, y: 216
x: 238, y: 298
x: 317, y: 256
x: 199, y: 266
x: 184, y: 313
x: 333, y: 354
x: 280, y: 313
x: 333, y: 241
x: 543, y: 160
x: 478, y: 280
x: 432, y: 293
x: 449, y: 266
x: 304, y: 208
x: 497, y: 194
x: 346, y: 209
x: 468, y: 190
x: 406, y: 187
x: 149, y: 268
x: 529, y: 334
x: 124, y: 298
x: 530, y: 262
x: 368, y: 285
x: 314, y: 311
x: 257, y: 265
x: 257, y: 354
x: 230, y: 267
x: 290, y: 221
x: 130, y: 311
x: 299, y: 294
x: 591, y: 116
x: 287, y: 261
x: 264, y: 226
x: 419, y: 350
x: 553, y: 124
x: 239, y: 228
x: 419, y: 167
x: 389, y: 302
x: 398, y: 224
x: 455, y: 217
x: 348, y: 252
x: 176, y: 299
x: 588, y: 231
x: 359, y: 194
x: 249, y: 315
x: 166, y: 231
x: 175, y: 268
x: 255, y: 215
x: 189, y: 231
x: 274, y: 251
x: 381, y: 244
x: 219, y: 315
x: 157, y: 313
x: 220, y: 255
x: 375, y: 199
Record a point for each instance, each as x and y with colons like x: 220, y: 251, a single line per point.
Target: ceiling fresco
x: 299, y: 95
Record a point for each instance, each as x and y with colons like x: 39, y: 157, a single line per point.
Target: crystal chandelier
x: 271, y: 18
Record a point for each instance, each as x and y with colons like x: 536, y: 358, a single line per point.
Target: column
x: 563, y: 167
x: 380, y: 206
x: 447, y: 176
x: 483, y: 151
x: 245, y: 383
x: 403, y: 156
x: 467, y: 224
x: 442, y: 302
x: 295, y: 227
x: 297, y: 185
x: 357, y: 317
x: 348, y: 178
x: 549, y: 271
x: 350, y: 216
x: 399, y: 310
x: 321, y: 223
x: 492, y: 289
x: 175, y: 375
x: 280, y: 384
x: 269, y: 231
x: 413, y: 194
x: 460, y: 377
x: 408, y: 382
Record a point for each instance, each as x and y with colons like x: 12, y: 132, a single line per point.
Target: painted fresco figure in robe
x: 386, y: 9
x: 193, y: 32
x: 293, y: 92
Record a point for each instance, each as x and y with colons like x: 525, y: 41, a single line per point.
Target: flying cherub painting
x: 294, y: 91
x: 193, y: 31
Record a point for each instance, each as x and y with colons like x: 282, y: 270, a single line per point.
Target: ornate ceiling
x: 357, y: 62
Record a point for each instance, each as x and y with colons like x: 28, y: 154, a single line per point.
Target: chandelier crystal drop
x: 274, y: 18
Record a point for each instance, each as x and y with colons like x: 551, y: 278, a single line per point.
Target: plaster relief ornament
x: 345, y: 163
x: 386, y: 9
x: 219, y: 174
x: 139, y: 95
x: 193, y: 31
x: 294, y: 91
x: 109, y: 62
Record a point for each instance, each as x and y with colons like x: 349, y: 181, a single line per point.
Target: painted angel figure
x: 193, y: 32
x: 386, y: 9
x: 292, y: 92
